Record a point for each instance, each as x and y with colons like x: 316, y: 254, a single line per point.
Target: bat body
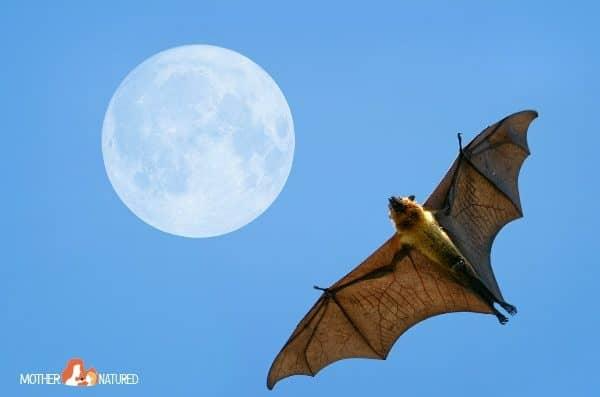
x: 418, y: 229
x: 437, y: 261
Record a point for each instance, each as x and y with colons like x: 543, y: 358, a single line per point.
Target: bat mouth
x: 396, y: 204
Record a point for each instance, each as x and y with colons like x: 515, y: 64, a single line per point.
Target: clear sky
x: 377, y: 91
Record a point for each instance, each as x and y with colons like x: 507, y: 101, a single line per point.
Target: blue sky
x: 378, y: 91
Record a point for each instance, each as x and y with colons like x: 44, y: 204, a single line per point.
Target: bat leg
x: 476, y: 285
x: 501, y: 317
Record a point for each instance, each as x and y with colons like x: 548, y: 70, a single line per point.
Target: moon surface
x: 198, y: 141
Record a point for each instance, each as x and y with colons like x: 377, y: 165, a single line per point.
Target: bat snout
x: 396, y: 204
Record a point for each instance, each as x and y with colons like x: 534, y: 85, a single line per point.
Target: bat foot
x: 502, y: 319
x: 509, y: 308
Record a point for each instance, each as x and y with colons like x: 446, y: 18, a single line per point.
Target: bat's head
x: 404, y: 211
x: 400, y: 204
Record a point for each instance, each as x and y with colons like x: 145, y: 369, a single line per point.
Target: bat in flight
x: 437, y: 261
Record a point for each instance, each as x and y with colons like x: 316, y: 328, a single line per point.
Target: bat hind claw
x: 509, y: 308
x: 502, y: 319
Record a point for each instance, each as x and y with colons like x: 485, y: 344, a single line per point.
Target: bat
x: 437, y: 261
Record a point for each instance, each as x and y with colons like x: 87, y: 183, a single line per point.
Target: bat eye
x: 411, y: 197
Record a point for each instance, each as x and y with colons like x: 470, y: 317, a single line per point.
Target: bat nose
x: 395, y: 204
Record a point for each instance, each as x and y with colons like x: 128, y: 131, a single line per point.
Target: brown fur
x: 409, y: 218
x: 418, y: 229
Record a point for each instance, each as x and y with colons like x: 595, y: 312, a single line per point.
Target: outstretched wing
x: 364, y: 313
x: 480, y: 194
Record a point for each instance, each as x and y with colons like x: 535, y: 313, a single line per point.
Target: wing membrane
x: 480, y: 193
x: 364, y: 313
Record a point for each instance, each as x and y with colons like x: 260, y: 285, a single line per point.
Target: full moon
x: 198, y: 141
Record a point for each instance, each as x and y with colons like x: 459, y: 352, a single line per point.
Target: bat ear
x: 411, y: 197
